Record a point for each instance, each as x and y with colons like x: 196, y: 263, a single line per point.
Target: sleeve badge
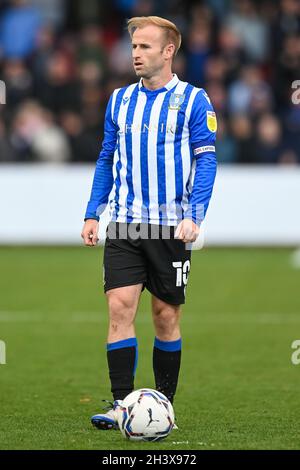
x: 211, y: 121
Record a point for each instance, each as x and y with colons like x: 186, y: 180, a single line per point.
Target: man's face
x: 148, y: 51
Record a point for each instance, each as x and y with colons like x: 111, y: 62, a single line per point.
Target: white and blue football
x: 146, y: 415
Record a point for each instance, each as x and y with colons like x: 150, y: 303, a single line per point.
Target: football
x: 146, y: 415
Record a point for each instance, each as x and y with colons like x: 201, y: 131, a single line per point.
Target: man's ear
x: 169, y: 51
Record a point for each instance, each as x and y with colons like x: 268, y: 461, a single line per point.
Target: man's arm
x: 203, y: 127
x: 103, y: 180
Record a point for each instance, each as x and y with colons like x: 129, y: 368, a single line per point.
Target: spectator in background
x: 61, y: 89
x: 252, y: 29
x: 45, y: 48
x: 18, y: 80
x: 92, y: 110
x: 242, y: 132
x: 250, y: 93
x: 219, y: 7
x: 226, y: 146
x: 230, y: 48
x: 215, y: 69
x: 52, y: 12
x: 217, y: 92
x: 19, y: 29
x: 84, y: 146
x: 120, y: 60
x: 288, y: 21
x: 197, y: 53
x: 36, y: 135
x: 91, y: 48
x: 198, y: 44
x: 269, y: 140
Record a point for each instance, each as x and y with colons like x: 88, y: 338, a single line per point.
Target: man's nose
x: 136, y: 53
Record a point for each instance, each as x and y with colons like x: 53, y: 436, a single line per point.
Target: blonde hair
x: 172, y: 33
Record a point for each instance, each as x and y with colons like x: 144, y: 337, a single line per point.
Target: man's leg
x: 122, y: 351
x: 167, y: 346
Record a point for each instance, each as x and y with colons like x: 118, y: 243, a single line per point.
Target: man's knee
x: 122, y: 306
x: 166, y: 316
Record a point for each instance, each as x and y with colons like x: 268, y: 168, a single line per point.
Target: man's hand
x: 90, y: 232
x: 187, y: 231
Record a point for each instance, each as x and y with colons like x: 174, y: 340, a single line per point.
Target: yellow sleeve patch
x: 211, y: 121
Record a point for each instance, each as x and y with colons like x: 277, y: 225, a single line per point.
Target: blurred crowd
x: 61, y: 59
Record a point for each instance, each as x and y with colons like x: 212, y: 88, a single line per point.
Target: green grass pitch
x: 238, y: 388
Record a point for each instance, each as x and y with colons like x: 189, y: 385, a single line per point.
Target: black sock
x: 166, y: 365
x: 122, y: 361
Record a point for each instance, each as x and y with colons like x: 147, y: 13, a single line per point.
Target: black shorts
x: 146, y: 254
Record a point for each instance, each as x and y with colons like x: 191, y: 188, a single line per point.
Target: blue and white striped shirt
x: 157, y: 163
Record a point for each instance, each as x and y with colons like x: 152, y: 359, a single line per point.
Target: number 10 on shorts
x: 182, y: 272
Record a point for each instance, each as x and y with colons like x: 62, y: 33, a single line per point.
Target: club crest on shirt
x: 176, y: 101
x: 211, y: 121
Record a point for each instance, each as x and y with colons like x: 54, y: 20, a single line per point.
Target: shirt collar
x: 173, y: 82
